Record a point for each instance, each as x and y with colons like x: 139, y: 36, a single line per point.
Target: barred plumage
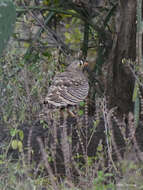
x: 69, y: 87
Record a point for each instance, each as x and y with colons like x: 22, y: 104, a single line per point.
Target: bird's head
x: 78, y: 65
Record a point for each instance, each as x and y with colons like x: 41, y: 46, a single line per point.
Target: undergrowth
x: 95, y: 148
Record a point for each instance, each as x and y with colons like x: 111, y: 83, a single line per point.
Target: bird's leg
x: 66, y: 111
x: 65, y: 143
x: 70, y: 112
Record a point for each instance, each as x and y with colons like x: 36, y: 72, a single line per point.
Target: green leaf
x: 100, y: 147
x: 47, y: 54
x: 5, y: 118
x: 96, y: 123
x: 136, y: 111
x: 21, y: 135
x: 20, y: 146
x: 82, y: 103
x: 13, y: 132
x: 108, y: 175
x: 14, y: 144
x: 68, y: 37
x: 80, y: 112
x: 135, y: 93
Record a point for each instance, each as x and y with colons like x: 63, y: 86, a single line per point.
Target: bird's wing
x: 67, y: 88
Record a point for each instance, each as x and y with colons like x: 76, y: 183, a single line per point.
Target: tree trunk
x: 120, y: 82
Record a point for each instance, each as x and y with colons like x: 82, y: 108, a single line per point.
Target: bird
x: 69, y: 87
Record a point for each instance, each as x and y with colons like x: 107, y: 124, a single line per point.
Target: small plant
x: 16, y: 142
x: 100, y: 182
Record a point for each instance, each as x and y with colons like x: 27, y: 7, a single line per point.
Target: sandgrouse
x: 69, y: 87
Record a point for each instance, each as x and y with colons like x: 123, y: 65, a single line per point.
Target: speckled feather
x: 68, y: 88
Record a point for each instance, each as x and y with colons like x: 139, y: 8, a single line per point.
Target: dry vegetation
x: 98, y: 148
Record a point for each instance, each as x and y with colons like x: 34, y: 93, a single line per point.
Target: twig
x: 56, y: 10
x: 46, y: 163
x: 135, y: 76
x: 106, y: 121
x: 109, y: 117
x: 29, y: 145
x: 55, y: 37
